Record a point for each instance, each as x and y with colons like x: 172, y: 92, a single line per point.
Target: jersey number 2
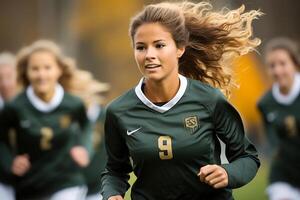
x: 47, y: 135
x: 165, y: 147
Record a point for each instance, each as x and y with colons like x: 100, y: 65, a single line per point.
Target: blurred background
x: 95, y: 32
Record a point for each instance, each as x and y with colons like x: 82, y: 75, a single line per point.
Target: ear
x: 180, y: 51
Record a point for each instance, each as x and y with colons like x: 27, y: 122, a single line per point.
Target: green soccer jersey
x: 47, y: 138
x: 282, y: 124
x: 93, y: 172
x: 167, y: 145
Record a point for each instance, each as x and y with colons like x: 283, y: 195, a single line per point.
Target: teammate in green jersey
x: 167, y: 128
x: 8, y: 89
x: 280, y: 110
x: 53, y: 136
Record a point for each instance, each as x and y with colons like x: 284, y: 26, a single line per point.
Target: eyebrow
x: 161, y: 40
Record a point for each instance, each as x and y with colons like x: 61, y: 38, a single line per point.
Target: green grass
x: 254, y: 190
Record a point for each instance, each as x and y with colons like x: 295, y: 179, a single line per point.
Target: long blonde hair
x: 212, y: 39
x: 76, y: 81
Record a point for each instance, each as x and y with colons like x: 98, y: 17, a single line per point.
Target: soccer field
x: 254, y: 190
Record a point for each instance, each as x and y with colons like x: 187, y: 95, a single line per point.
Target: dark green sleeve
x: 241, y: 154
x: 272, y: 137
x: 116, y: 174
x: 7, y: 121
x: 85, y: 135
x: 6, y: 158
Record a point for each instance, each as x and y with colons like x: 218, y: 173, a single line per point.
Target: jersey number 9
x: 165, y: 147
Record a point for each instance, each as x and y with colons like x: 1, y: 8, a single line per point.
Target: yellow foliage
x: 252, y: 84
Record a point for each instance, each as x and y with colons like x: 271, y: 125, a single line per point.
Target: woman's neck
x: 46, y: 96
x: 162, y: 91
x: 285, y: 90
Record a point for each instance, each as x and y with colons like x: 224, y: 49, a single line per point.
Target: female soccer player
x: 51, y: 126
x: 8, y: 89
x: 166, y: 129
x: 280, y: 110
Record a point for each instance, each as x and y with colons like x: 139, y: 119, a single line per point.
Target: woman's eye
x: 159, y: 46
x: 47, y: 67
x: 33, y: 68
x: 282, y: 63
x: 140, y: 48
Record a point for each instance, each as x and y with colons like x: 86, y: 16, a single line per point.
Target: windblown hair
x: 286, y: 44
x: 73, y: 80
x: 213, y: 39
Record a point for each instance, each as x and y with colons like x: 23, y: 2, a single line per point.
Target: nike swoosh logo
x: 131, y: 132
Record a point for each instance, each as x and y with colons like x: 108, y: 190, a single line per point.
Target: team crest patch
x: 191, y: 123
x: 291, y: 126
x: 65, y: 121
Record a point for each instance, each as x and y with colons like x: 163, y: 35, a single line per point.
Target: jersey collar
x: 293, y: 94
x: 167, y: 106
x: 43, y: 106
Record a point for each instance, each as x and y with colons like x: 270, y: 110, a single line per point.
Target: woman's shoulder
x: 72, y: 101
x: 17, y: 104
x: 19, y: 100
x: 266, y: 99
x: 204, y: 92
x: 123, y: 102
x: 72, y: 97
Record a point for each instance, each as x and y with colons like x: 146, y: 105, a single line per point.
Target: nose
x: 41, y: 73
x: 150, y: 53
x: 277, y: 69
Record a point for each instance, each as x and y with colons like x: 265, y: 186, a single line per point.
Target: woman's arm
x: 241, y: 154
x: 272, y: 137
x: 82, y: 152
x: 10, y: 162
x: 116, y: 174
x: 6, y: 158
x: 85, y: 138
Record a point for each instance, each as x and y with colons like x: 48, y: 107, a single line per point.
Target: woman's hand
x: 118, y: 197
x: 80, y: 156
x: 214, y: 175
x: 20, y: 165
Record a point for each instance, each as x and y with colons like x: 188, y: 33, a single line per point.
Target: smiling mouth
x: 152, y: 66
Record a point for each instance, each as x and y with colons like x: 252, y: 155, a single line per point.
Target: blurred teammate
x: 166, y: 129
x: 53, y: 136
x: 280, y: 110
x: 96, y: 114
x: 8, y: 89
x: 8, y: 77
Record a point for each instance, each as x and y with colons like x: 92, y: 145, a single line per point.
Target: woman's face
x: 155, y: 52
x: 281, y: 67
x: 43, y: 72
